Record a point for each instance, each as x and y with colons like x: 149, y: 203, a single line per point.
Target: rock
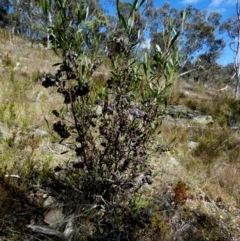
x: 204, y: 119
x: 40, y: 46
x: 39, y: 132
x: 192, y: 144
x: 45, y: 196
x: 234, y: 125
x: 49, y: 201
x: 173, y: 161
x: 178, y: 111
x: 181, y: 111
x: 54, y: 216
x: 99, y: 110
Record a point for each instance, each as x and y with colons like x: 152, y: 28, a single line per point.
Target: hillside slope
x: 195, y: 193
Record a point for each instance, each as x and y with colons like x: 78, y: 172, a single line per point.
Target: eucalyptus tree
x: 51, y: 13
x: 198, y: 42
x: 4, y: 8
x: 232, y: 28
x: 24, y: 17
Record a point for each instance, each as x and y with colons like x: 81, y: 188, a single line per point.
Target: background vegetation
x: 200, y: 43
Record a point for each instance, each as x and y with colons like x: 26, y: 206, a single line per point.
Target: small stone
x: 50, y: 200
x: 204, y: 119
x: 192, y: 144
x: 39, y: 132
x: 45, y: 196
x: 54, y: 216
x: 99, y: 110
x: 173, y: 161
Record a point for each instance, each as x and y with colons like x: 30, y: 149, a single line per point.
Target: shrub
x: 112, y: 129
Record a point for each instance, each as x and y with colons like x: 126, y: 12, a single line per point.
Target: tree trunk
x: 50, y: 23
x: 237, y: 56
x: 237, y: 85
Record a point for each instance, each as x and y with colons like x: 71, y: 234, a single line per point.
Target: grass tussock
x: 216, y: 144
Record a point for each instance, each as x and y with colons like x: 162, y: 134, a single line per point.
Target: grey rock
x: 54, y: 216
x: 49, y: 201
x: 204, y: 119
x: 173, y: 161
x: 40, y: 132
x: 99, y: 110
x: 192, y: 144
x: 4, y: 134
x: 181, y: 111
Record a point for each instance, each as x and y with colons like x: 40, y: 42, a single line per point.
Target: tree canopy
x: 201, y: 33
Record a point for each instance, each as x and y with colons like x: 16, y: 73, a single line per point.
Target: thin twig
x: 13, y: 176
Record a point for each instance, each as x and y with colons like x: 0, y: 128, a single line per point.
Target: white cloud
x: 214, y: 3
x: 217, y: 3
x: 190, y: 1
x: 218, y: 10
x: 231, y: 2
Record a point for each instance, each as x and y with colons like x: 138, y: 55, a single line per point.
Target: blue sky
x: 226, y: 8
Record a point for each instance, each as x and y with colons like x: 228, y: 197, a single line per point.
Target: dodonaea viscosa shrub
x: 111, y: 130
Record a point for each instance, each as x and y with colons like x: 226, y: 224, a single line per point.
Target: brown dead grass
x: 212, y: 167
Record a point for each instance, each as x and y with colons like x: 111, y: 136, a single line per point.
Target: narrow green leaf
x: 133, y: 7
x: 83, y: 69
x: 123, y: 22
x: 156, y: 58
x: 132, y: 63
x: 142, y: 2
x: 87, y: 13
x: 79, y: 17
x: 45, y: 119
x: 173, y: 140
x: 158, y: 48
x: 183, y: 14
x: 43, y: 4
x: 114, y: 74
x: 120, y: 16
x: 130, y: 21
x: 174, y: 39
x: 56, y: 64
x: 144, y: 68
x: 118, y: 9
x: 139, y: 33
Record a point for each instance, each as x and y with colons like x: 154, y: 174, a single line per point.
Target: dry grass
x: 23, y: 102
x: 217, y: 144
x: 211, y: 168
x: 227, y: 176
x: 183, y: 174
